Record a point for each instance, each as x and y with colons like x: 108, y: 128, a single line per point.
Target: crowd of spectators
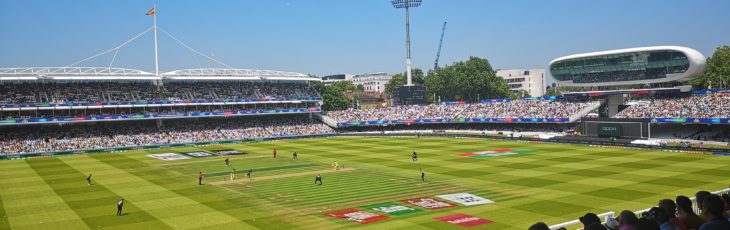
x: 86, y: 92
x: 678, y: 214
x: 716, y: 105
x: 483, y: 127
x: 22, y: 139
x: 511, y: 109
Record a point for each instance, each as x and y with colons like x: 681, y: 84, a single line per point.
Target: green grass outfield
x: 550, y: 182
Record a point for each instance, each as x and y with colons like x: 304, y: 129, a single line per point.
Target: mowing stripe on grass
x: 4, y: 223
x: 245, y: 208
x: 164, y: 203
x: 96, y: 205
x: 30, y: 203
x: 264, y: 169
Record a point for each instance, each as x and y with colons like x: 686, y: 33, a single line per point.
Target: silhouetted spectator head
x: 685, y: 204
x: 713, y: 206
x: 627, y: 218
x: 589, y: 218
x: 669, y: 207
x: 656, y: 214
x: 726, y: 197
x: 539, y: 226
x: 700, y: 196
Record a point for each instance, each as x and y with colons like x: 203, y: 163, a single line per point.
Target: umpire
x: 120, y: 205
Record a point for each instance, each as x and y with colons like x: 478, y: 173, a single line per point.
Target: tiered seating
x: 716, y: 105
x: 118, y: 134
x: 84, y: 92
x: 511, y: 109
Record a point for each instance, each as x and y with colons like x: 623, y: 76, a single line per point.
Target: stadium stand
x: 21, y: 139
x: 714, y: 105
x: 509, y: 109
x: 85, y: 92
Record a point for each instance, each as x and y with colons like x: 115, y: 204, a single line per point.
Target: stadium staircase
x: 327, y: 120
x: 585, y: 111
x: 258, y: 93
x: 298, y: 93
x: 43, y: 97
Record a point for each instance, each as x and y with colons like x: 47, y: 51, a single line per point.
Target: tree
x: 399, y: 80
x: 318, y: 86
x: 465, y: 80
x: 334, y: 96
x: 343, y: 86
x: 718, y: 70
x: 334, y: 100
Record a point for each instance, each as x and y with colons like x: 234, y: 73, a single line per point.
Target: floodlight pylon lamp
x: 405, y: 3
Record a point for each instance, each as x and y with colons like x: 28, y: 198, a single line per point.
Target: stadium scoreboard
x: 410, y: 95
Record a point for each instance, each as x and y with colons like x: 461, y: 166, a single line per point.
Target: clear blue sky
x: 349, y: 36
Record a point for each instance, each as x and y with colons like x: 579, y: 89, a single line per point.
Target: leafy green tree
x: 718, y: 70
x: 334, y: 96
x: 344, y: 86
x: 317, y: 85
x: 465, y: 80
x: 334, y: 100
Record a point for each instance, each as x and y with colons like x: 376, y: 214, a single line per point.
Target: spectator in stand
x: 699, y: 198
x: 686, y: 214
x: 120, y: 134
x: 726, y: 198
x: 716, y: 105
x: 511, y: 109
x: 670, y: 208
x: 589, y: 219
x: 661, y: 218
x: 539, y: 226
x: 627, y: 220
x: 88, y: 92
x: 713, y: 207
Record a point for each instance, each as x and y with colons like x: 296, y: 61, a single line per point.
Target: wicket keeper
x: 318, y: 179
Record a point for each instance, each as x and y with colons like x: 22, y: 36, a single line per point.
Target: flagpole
x: 157, y: 66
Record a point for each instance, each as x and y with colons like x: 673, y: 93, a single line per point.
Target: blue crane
x: 441, y: 42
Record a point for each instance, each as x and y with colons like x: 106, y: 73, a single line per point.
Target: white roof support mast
x: 157, y: 64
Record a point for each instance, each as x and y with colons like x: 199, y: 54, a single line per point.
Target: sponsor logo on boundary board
x: 357, y: 216
x: 463, y: 220
x: 495, y: 153
x: 228, y: 152
x: 397, y: 209
x: 466, y: 199
x: 168, y: 156
x: 393, y: 209
x: 198, y: 154
x: 428, y: 203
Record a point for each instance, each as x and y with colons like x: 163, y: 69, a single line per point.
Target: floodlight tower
x: 398, y: 4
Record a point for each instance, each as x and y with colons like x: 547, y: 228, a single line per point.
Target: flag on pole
x: 151, y: 12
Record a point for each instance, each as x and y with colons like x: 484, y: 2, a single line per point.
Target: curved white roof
x: 106, y: 73
x: 697, y: 65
